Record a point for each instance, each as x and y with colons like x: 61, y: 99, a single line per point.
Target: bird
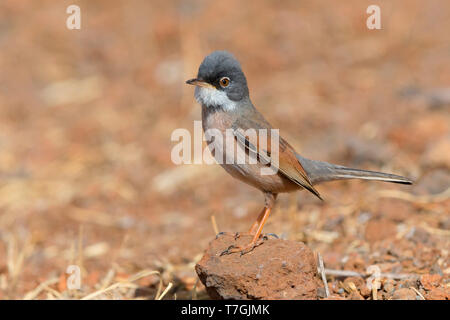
x: 221, y: 90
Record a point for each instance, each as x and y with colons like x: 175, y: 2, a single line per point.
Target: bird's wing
x: 288, y: 164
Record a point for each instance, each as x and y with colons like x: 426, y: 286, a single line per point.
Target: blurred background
x: 86, y: 117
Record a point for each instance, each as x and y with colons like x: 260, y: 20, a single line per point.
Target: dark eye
x: 224, y: 82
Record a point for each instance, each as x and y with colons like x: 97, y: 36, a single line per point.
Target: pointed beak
x: 200, y: 83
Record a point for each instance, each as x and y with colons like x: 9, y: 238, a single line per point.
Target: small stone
x: 404, y: 294
x: 430, y: 281
x: 433, y: 182
x: 355, y: 295
x: 359, y: 283
x: 276, y: 269
x: 388, y: 286
x: 438, y: 294
x: 445, y: 223
x: 321, y: 293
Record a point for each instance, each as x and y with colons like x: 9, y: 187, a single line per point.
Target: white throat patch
x: 210, y: 97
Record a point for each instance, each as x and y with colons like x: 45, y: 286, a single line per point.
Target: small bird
x: 221, y: 89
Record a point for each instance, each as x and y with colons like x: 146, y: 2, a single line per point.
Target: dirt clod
x: 430, y: 281
x: 277, y: 269
x: 359, y: 284
x: 438, y: 294
x: 404, y: 294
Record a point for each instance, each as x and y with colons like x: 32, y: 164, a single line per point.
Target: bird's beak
x: 200, y: 83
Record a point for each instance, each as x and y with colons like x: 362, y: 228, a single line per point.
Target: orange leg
x: 256, y: 228
x: 257, y: 222
x: 261, y: 224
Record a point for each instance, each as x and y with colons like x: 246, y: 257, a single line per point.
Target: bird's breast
x: 233, y: 156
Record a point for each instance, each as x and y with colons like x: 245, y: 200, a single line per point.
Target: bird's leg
x: 255, y: 225
x: 256, y: 229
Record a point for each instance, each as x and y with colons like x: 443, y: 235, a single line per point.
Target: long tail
x: 319, y: 171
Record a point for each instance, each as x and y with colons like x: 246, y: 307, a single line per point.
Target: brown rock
x: 404, y: 294
x: 430, y: 281
x: 359, y: 283
x: 433, y: 182
x: 355, y: 295
x: 277, y: 269
x: 377, y: 230
x: 389, y: 286
x: 438, y: 294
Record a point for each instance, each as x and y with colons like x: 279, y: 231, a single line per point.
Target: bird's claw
x: 266, y: 236
x: 228, y: 250
x: 243, y: 250
x: 219, y: 234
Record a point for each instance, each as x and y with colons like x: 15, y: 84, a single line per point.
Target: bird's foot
x: 220, y: 234
x: 245, y: 249
x: 236, y: 235
x: 266, y: 236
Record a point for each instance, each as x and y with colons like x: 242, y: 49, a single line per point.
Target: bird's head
x: 220, y: 82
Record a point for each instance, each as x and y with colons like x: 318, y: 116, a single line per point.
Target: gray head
x: 220, y: 81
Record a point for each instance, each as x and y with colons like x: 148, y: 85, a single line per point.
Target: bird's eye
x: 224, y: 82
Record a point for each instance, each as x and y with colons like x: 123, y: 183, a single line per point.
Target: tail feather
x: 319, y: 171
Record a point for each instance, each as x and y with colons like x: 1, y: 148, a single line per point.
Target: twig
x: 214, y: 224
x: 418, y: 292
x: 436, y: 231
x: 165, y: 291
x: 194, y: 290
x: 322, y: 272
x: 111, y: 287
x: 445, y: 195
x: 127, y: 284
x: 35, y: 292
x: 346, y: 273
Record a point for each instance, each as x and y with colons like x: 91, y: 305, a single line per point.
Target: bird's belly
x: 233, y: 157
x: 236, y: 161
x: 251, y: 174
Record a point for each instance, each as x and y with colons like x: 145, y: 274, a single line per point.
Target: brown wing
x: 288, y: 164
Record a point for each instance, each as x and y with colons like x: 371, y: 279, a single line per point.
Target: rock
x: 404, y: 294
x: 445, y: 223
x: 433, y: 182
x: 359, y: 283
x: 418, y: 235
x: 388, y: 286
x: 438, y: 294
x: 430, y: 281
x: 355, y: 295
x: 277, y: 269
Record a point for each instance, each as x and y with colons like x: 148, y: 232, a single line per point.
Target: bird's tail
x: 319, y: 171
